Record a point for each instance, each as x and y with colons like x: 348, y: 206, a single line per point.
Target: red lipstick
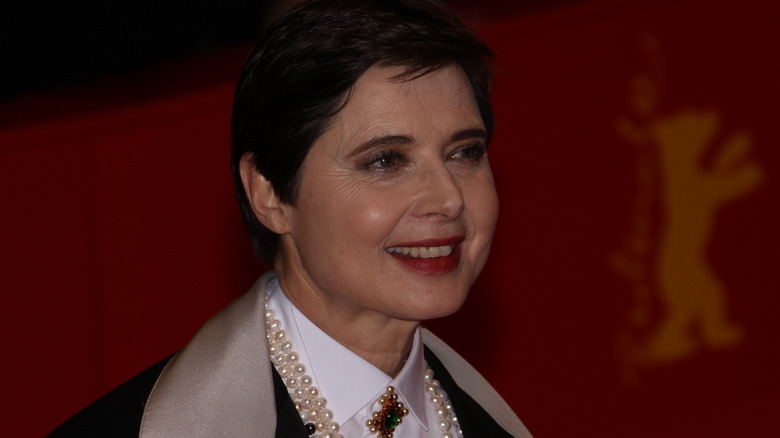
x: 432, y: 265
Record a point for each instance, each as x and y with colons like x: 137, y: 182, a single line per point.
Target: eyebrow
x: 468, y: 133
x: 394, y: 140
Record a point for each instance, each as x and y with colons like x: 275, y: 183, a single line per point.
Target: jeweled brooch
x: 386, y: 420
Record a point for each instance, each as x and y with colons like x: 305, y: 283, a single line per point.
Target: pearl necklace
x: 318, y: 419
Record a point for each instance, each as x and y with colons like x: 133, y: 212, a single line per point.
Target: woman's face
x: 396, y: 204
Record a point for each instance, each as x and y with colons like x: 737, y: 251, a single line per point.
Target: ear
x: 265, y: 204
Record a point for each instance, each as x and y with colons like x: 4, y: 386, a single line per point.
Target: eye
x: 473, y: 151
x: 385, y: 160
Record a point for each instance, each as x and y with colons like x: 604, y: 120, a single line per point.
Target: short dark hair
x: 299, y: 75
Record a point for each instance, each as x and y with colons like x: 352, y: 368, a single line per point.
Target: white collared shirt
x: 352, y: 385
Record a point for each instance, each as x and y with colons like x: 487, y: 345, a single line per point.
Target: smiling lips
x: 429, y: 257
x: 423, y: 252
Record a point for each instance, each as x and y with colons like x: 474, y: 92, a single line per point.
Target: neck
x: 386, y: 348
x: 382, y: 340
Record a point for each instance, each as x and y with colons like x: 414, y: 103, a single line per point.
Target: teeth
x: 423, y: 252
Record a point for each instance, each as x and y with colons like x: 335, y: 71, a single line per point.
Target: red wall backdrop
x: 632, y: 288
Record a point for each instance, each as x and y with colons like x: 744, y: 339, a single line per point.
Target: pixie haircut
x: 301, y: 71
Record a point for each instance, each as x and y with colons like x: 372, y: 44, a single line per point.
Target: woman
x: 360, y: 130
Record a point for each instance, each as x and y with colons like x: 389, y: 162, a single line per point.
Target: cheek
x: 376, y: 213
x: 359, y: 213
x: 482, y: 202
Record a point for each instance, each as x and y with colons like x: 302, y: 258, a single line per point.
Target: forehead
x: 425, y: 107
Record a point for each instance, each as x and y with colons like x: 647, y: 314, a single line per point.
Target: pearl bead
x: 312, y: 407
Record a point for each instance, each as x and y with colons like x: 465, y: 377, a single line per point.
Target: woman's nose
x: 438, y: 193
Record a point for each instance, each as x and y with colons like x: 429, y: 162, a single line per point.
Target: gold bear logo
x: 667, y: 262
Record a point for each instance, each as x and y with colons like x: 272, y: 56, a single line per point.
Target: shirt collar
x: 410, y: 382
x: 346, y: 380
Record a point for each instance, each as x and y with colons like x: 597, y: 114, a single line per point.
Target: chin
x: 434, y: 306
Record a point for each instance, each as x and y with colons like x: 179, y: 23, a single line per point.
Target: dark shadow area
x: 46, y: 46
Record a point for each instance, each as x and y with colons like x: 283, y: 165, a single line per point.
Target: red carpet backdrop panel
x: 632, y: 287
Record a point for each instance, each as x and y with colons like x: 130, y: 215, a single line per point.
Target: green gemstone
x: 391, y: 419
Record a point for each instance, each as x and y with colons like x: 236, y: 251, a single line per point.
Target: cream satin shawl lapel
x: 220, y: 384
x: 476, y: 386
